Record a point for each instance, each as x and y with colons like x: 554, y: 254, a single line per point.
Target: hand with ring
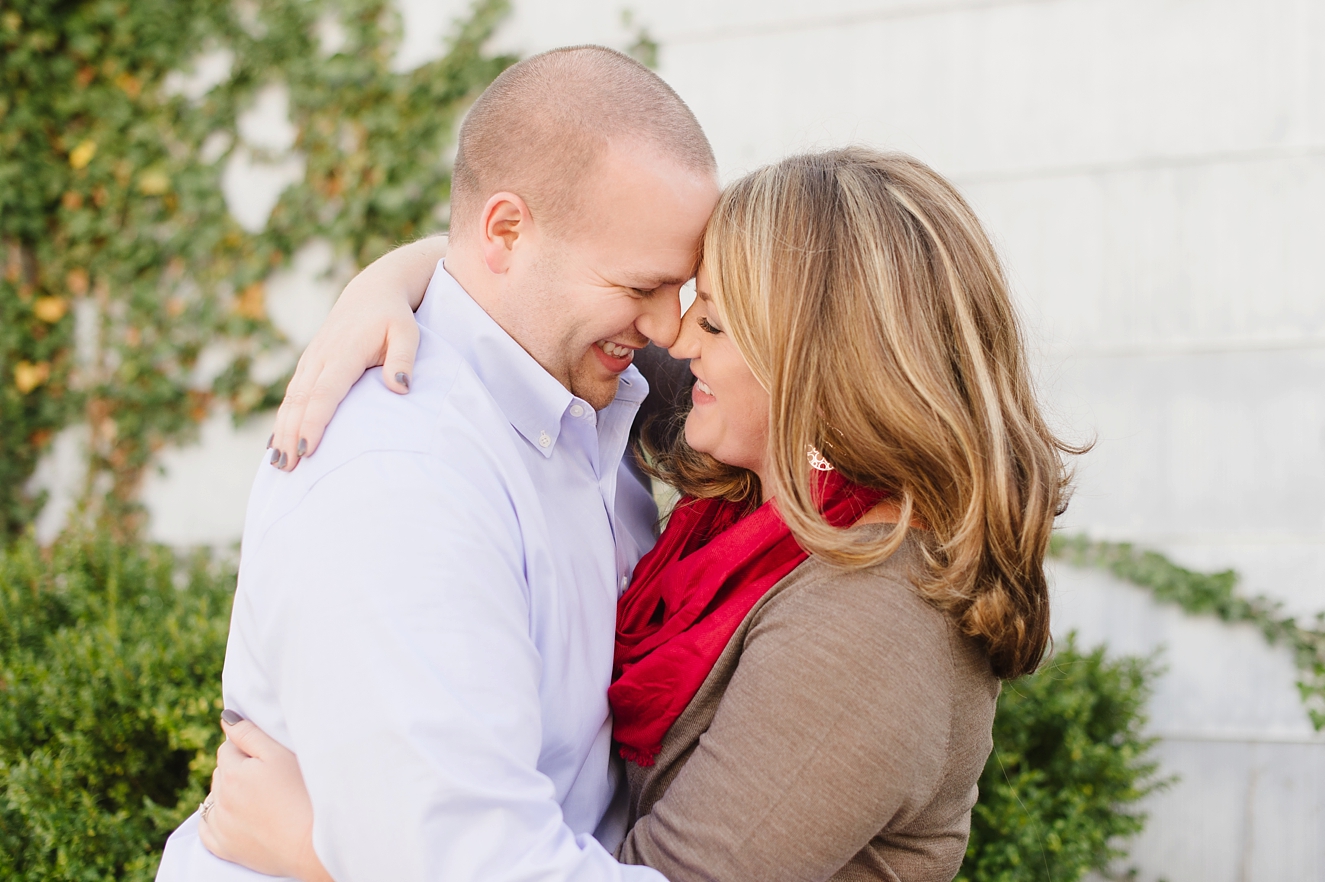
x: 258, y: 813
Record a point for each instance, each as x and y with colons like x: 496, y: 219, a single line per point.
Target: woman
x: 807, y: 664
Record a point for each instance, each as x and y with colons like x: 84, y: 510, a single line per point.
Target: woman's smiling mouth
x: 700, y: 393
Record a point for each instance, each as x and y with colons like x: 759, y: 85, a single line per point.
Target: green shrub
x: 1070, y: 762
x: 110, y: 664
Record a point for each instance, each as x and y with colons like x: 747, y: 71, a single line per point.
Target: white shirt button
x: 576, y: 410
x: 544, y: 440
x: 625, y: 580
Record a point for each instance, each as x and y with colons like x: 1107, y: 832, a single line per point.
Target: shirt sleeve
x: 399, y: 633
x: 834, y: 720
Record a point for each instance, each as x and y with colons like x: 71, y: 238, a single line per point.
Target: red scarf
x: 689, y: 594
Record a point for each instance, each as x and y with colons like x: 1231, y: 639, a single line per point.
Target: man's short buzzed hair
x: 543, y: 124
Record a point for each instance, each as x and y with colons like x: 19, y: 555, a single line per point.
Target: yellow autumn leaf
x: 50, y: 309
x: 131, y: 85
x: 252, y: 302
x: 153, y: 183
x: 81, y: 155
x: 78, y: 281
x: 28, y: 376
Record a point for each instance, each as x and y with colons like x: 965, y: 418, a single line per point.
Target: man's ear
x: 506, y: 220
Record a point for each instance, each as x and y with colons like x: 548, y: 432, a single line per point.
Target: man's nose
x: 661, y: 318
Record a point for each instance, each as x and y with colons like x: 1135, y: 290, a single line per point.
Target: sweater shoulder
x: 884, y: 594
x: 879, y: 616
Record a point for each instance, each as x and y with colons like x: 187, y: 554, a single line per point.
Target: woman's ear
x: 505, y: 221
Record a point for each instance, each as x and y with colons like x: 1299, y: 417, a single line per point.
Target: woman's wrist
x: 310, y: 867
x: 403, y: 273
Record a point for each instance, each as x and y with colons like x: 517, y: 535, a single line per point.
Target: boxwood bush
x: 1058, y: 795
x: 110, y: 682
x: 110, y: 671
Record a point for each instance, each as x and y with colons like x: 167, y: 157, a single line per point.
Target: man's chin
x: 599, y: 393
x: 594, y: 383
x: 595, y: 386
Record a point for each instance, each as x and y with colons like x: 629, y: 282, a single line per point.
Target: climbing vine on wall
x: 1213, y: 593
x: 119, y: 261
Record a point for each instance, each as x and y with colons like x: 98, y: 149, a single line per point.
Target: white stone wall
x: 1154, y: 172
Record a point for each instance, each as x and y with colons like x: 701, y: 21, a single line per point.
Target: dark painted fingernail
x: 230, y: 717
x: 284, y: 459
x: 302, y: 448
x: 271, y: 439
x: 275, y: 456
x: 403, y: 379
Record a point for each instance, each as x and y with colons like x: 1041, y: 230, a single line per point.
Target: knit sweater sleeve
x: 834, y: 727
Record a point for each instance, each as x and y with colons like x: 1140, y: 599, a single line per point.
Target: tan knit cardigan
x: 839, y: 736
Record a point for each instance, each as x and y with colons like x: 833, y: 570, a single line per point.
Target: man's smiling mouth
x: 616, y: 350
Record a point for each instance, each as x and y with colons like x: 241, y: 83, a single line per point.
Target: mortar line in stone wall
x: 1161, y: 348
x: 1236, y: 737
x: 1143, y: 163
x: 1215, y: 538
x: 915, y: 10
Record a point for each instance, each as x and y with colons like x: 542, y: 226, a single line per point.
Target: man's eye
x: 706, y: 326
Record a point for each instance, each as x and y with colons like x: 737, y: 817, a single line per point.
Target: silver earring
x: 817, y: 461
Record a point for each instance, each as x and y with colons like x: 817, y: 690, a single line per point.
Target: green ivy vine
x: 1212, y: 593
x: 119, y: 261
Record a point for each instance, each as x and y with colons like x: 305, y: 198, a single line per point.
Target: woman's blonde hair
x: 867, y: 299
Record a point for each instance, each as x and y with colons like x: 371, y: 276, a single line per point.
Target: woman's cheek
x: 699, y: 431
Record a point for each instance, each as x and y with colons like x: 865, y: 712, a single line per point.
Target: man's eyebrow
x: 648, y: 283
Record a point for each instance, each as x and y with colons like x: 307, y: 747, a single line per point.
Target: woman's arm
x: 372, y: 323
x: 834, y: 726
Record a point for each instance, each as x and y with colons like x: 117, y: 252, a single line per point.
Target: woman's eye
x: 706, y: 326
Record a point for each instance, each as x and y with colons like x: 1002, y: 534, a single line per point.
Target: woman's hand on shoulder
x: 371, y: 324
x: 260, y: 815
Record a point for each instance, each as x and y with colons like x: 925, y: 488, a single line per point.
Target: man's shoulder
x: 446, y: 437
x: 446, y: 404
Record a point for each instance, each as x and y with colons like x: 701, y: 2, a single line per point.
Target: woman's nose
x: 686, y: 343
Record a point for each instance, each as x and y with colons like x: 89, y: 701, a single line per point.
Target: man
x: 426, y: 608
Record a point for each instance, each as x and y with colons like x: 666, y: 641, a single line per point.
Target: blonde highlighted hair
x: 869, y: 302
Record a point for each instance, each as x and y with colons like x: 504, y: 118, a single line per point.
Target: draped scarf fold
x: 689, y: 595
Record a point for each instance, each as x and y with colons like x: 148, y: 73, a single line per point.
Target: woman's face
x: 729, y: 421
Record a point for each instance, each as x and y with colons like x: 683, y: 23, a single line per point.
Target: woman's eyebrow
x: 703, y: 295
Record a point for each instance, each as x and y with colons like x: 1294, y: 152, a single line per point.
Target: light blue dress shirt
x: 425, y: 615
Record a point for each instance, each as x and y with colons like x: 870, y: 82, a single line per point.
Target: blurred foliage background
x: 120, y: 264
x: 120, y: 259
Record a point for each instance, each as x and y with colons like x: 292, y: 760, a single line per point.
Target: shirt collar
x: 532, y: 399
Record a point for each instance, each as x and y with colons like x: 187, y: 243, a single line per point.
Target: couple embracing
x: 459, y: 649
